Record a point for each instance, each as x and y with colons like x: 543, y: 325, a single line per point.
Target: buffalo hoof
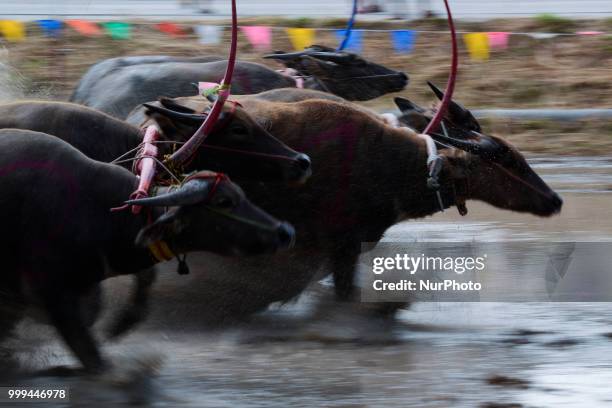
x: 132, y: 370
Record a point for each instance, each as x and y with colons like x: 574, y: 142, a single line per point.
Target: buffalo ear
x: 173, y: 125
x: 174, y: 106
x: 404, y: 104
x: 167, y: 126
x: 162, y: 229
x: 414, y: 120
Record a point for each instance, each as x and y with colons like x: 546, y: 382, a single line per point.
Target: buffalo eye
x: 239, y: 130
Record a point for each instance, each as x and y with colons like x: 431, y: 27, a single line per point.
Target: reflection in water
x: 435, y: 355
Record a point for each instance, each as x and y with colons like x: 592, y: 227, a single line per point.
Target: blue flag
x: 355, y: 41
x: 403, y: 41
x: 51, y: 28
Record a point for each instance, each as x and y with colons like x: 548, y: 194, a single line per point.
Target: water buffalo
x: 64, y: 239
x: 239, y: 146
x: 368, y: 176
x: 118, y: 85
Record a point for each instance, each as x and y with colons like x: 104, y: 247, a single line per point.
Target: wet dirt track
x: 435, y: 355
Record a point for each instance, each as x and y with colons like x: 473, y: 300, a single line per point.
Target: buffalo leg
x: 343, y: 264
x: 10, y: 314
x: 90, y: 304
x: 137, y: 307
x: 63, y: 310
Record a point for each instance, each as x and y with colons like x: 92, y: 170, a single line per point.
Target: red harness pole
x: 187, y: 151
x: 145, y: 167
x: 450, y: 86
x: 434, y: 162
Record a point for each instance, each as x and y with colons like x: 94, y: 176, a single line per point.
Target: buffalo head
x: 342, y: 73
x: 209, y: 212
x: 497, y: 173
x: 238, y: 145
x: 493, y: 170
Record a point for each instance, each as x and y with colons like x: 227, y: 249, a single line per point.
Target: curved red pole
x: 450, y: 86
x: 187, y: 151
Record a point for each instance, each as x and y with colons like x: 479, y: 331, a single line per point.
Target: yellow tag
x: 161, y: 251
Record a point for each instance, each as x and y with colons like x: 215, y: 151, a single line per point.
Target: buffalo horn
x: 192, y: 192
x: 483, y: 146
x: 454, y: 108
x: 193, y: 117
x: 324, y: 55
x: 284, y: 55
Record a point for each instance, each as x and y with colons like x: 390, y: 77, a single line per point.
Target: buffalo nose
x: 403, y: 76
x: 303, y: 162
x: 286, y: 235
x: 557, y: 201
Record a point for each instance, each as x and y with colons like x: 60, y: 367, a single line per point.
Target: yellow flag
x: 12, y: 30
x: 478, y: 45
x: 301, y: 37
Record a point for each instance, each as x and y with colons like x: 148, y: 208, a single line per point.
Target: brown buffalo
x: 367, y: 177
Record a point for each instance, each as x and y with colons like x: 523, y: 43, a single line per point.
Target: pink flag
x: 498, y: 40
x: 589, y: 32
x: 259, y: 36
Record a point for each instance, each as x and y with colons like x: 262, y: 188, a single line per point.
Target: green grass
x: 552, y: 23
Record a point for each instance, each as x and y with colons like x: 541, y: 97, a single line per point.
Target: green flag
x: 118, y: 30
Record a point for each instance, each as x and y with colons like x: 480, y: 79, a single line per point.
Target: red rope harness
x: 144, y: 168
x: 219, y: 177
x: 186, y: 152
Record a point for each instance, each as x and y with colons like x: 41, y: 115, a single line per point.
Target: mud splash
x: 315, y: 353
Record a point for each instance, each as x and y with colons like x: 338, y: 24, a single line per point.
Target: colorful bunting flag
x: 12, y: 30
x: 498, y: 40
x: 478, y: 45
x: 301, y: 37
x: 118, y: 30
x: 355, y: 40
x: 403, y: 40
x: 50, y: 28
x: 170, y: 29
x: 84, y: 27
x: 208, y: 34
x: 260, y: 37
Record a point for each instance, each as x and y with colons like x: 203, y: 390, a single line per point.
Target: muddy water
x: 313, y: 354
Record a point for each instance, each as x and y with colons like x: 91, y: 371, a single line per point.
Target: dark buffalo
x: 64, y: 239
x: 238, y: 146
x: 368, y: 176
x: 118, y: 85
